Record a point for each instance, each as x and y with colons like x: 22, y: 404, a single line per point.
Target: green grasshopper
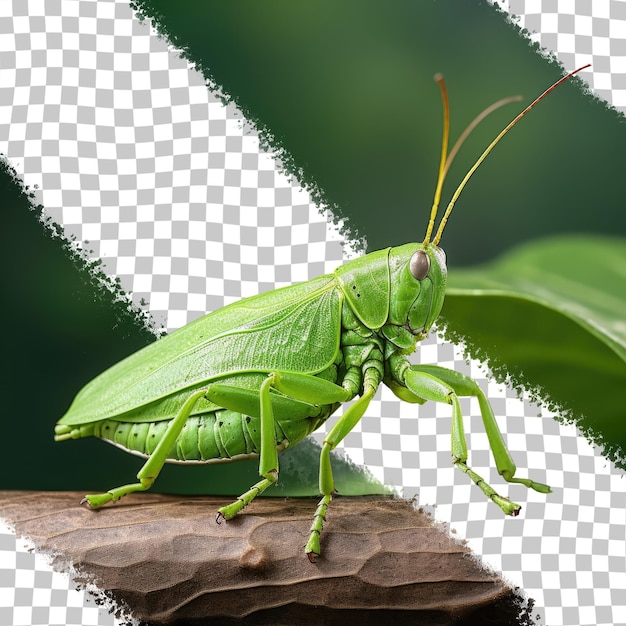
x: 261, y: 374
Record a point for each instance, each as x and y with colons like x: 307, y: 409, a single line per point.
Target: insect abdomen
x: 208, y: 437
x: 217, y: 436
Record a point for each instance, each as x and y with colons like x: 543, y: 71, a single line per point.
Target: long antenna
x: 446, y: 159
x: 491, y: 146
x: 444, y: 154
x: 472, y: 125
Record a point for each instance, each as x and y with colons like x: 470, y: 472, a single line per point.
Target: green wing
x: 295, y: 328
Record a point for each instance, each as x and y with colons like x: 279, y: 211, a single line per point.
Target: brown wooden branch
x: 170, y: 563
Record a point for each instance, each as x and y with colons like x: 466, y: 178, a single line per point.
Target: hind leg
x: 150, y: 470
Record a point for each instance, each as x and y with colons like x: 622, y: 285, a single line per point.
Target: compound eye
x: 420, y: 265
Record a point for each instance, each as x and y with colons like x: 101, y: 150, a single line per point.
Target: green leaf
x: 299, y: 474
x: 550, y: 317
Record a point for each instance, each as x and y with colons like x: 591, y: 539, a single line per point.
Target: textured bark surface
x: 169, y: 562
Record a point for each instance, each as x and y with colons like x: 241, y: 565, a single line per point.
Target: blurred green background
x: 346, y: 89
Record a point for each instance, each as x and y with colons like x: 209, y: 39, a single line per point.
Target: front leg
x: 429, y: 382
x: 465, y: 386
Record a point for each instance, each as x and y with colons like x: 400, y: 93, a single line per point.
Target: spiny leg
x: 429, y: 386
x: 302, y: 387
x: 459, y: 456
x: 150, y: 470
x: 268, y: 464
x: 327, y: 484
x: 465, y: 386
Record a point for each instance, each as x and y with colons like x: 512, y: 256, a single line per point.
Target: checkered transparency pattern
x: 149, y: 171
x: 580, y: 32
x: 566, y: 550
x: 32, y: 593
x: 147, y: 168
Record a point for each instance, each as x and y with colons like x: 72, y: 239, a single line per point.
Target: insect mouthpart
x: 419, y: 334
x: 417, y: 318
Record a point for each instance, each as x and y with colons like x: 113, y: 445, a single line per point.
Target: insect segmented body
x: 259, y: 375
x: 275, y: 337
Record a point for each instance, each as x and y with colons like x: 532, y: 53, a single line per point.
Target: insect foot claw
x: 95, y: 501
x: 312, y: 549
x: 510, y: 508
x: 229, y: 511
x: 541, y: 488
